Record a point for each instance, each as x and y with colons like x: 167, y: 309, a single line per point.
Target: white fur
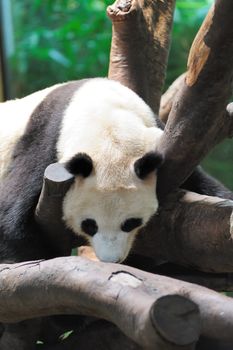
x: 114, y: 127
x: 110, y: 209
x: 14, y: 117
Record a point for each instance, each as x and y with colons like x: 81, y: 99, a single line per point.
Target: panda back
x: 14, y: 117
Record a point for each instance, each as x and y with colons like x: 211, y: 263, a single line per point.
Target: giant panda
x: 106, y: 137
x: 103, y: 134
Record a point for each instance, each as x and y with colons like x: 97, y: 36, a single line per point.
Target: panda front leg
x: 20, y: 336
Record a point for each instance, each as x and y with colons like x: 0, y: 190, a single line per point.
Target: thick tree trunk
x: 76, y: 285
x: 161, y: 306
x: 140, y: 46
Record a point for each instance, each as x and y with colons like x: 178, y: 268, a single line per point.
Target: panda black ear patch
x: 148, y: 163
x: 80, y: 165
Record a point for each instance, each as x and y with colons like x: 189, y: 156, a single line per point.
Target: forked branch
x: 198, y: 120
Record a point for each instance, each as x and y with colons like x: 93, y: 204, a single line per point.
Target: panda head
x: 111, y: 218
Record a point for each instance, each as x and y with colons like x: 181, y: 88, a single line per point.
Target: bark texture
x: 140, y: 45
x: 48, y: 213
x: 192, y: 230
x: 168, y: 98
x: 164, y: 309
x: 76, y: 285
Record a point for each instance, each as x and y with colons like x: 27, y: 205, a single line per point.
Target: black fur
x: 203, y: 183
x: 131, y: 224
x: 89, y: 226
x: 20, y: 238
x: 80, y: 165
x: 148, y: 163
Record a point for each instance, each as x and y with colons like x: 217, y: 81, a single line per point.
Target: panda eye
x: 89, y: 226
x: 131, y: 224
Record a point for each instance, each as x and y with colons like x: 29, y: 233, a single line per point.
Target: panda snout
x: 112, y: 249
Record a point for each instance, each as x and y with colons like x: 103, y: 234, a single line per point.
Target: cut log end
x: 231, y: 225
x: 229, y: 114
x: 57, y: 180
x: 56, y: 172
x: 177, y: 319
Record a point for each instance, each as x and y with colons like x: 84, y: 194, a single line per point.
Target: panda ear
x: 147, y: 164
x: 80, y: 165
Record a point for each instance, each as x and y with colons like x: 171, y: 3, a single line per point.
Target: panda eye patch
x: 131, y: 224
x: 89, y: 226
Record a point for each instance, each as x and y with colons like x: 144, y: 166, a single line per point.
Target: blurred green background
x: 58, y: 40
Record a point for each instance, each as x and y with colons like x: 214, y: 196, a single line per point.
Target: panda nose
x: 110, y: 248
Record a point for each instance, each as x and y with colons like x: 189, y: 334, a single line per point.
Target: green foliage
x: 66, y: 335
x: 58, y: 40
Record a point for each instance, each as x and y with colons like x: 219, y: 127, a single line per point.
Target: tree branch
x: 48, y: 214
x: 168, y: 97
x: 76, y: 285
x: 197, y: 120
x: 140, y: 45
x: 144, y: 306
x: 216, y: 281
x: 191, y: 230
